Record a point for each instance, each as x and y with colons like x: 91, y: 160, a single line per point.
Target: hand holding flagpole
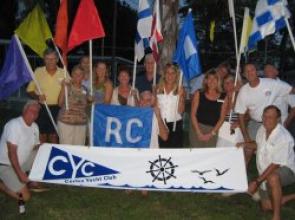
x: 36, y: 83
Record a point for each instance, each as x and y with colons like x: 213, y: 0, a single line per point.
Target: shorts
x: 44, y: 122
x: 9, y: 177
x: 287, y: 177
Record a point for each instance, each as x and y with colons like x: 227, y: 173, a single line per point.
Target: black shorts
x: 44, y: 122
x: 175, y: 138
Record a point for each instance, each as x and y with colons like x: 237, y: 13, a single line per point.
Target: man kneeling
x: 18, y: 146
x: 275, y: 161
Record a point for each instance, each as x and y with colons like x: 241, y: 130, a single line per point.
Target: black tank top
x: 208, y: 112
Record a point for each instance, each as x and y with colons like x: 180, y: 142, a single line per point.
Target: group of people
x: 224, y: 113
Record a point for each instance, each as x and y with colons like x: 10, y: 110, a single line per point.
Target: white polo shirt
x: 277, y: 149
x: 25, y: 137
x: 255, y: 99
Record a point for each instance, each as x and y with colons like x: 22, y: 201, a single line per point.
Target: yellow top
x: 50, y: 85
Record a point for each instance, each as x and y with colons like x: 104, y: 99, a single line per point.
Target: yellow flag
x: 247, y: 26
x: 212, y: 30
x: 34, y: 30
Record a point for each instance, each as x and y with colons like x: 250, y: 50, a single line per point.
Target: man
x: 285, y: 102
x: 49, y: 78
x: 275, y: 162
x: 158, y: 127
x: 18, y: 145
x: 254, y: 96
x: 144, y: 82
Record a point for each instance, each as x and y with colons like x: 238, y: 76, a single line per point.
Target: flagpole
x: 233, y: 17
x: 288, y: 25
x: 91, y: 90
x: 65, y: 73
x: 155, y: 74
x: 241, y: 49
x: 177, y: 100
x: 134, y: 71
x: 36, y: 82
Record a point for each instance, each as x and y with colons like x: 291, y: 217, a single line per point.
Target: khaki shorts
x: 9, y: 177
x: 287, y: 177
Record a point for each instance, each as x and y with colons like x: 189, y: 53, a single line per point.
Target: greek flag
x: 187, y: 55
x: 269, y: 17
x: 144, y: 27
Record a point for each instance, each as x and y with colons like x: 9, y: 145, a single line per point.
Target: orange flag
x: 87, y: 25
x: 61, y: 28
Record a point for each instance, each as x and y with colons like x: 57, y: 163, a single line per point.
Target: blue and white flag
x: 269, y: 17
x: 15, y: 71
x: 144, y: 28
x: 187, y: 55
x: 122, y: 126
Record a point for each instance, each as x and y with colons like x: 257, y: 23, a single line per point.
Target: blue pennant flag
x: 187, y: 55
x: 144, y: 28
x: 269, y: 17
x: 122, y: 126
x: 15, y: 71
x: 64, y: 165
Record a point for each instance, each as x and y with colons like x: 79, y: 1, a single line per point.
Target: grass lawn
x: 64, y: 202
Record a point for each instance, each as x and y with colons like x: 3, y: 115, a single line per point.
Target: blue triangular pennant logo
x: 64, y: 165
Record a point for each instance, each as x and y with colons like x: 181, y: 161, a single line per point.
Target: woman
x: 123, y: 94
x: 103, y: 87
x: 207, y: 112
x: 229, y: 133
x: 72, y: 122
x: 171, y: 100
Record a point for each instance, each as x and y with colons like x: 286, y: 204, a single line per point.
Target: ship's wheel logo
x: 162, y: 169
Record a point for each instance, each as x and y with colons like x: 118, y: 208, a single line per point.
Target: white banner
x: 188, y: 170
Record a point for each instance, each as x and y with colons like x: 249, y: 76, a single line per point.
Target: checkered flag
x: 269, y: 17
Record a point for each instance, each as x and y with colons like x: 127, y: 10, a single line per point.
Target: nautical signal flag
x: 34, y: 30
x: 15, y: 71
x: 247, y: 25
x: 87, y: 25
x: 187, y: 55
x: 269, y: 17
x: 144, y: 27
x: 156, y: 35
x: 61, y: 27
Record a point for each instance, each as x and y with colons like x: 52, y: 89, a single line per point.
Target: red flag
x: 61, y: 28
x: 86, y: 26
x: 156, y: 35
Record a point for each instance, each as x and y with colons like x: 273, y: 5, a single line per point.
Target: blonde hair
x: 106, y: 77
x: 162, y: 81
x: 211, y: 72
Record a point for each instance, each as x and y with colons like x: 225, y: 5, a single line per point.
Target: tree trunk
x: 169, y: 9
